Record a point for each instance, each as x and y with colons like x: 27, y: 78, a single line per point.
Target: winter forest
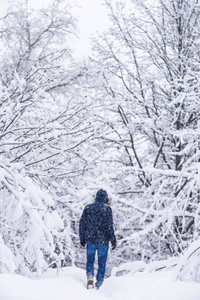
x: 126, y: 119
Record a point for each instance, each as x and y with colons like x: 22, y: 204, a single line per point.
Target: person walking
x: 95, y: 231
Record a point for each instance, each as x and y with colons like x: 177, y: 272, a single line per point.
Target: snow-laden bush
x: 29, y: 224
x: 7, y: 264
x: 189, y: 264
x: 131, y: 268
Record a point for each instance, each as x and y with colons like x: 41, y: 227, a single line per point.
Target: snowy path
x: 70, y: 285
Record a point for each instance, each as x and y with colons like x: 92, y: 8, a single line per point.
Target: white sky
x: 92, y: 16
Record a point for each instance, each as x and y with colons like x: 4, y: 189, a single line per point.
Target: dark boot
x: 98, y: 284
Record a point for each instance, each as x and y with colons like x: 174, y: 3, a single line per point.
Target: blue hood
x: 102, y: 197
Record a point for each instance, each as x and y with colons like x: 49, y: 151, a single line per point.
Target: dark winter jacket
x: 96, y: 223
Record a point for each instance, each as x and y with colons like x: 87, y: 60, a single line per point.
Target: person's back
x: 96, y: 230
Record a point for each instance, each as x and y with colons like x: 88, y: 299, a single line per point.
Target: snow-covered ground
x: 70, y: 285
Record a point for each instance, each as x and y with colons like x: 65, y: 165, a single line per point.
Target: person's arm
x: 111, y: 232
x: 82, y: 228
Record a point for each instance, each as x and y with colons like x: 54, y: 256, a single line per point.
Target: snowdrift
x: 138, y: 284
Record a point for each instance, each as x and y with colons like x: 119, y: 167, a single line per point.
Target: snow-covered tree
x: 149, y: 61
x: 42, y: 103
x: 46, y: 119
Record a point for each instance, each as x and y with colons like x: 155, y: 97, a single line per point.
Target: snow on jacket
x: 96, y: 223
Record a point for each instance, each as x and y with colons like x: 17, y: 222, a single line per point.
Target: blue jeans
x: 102, y: 252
